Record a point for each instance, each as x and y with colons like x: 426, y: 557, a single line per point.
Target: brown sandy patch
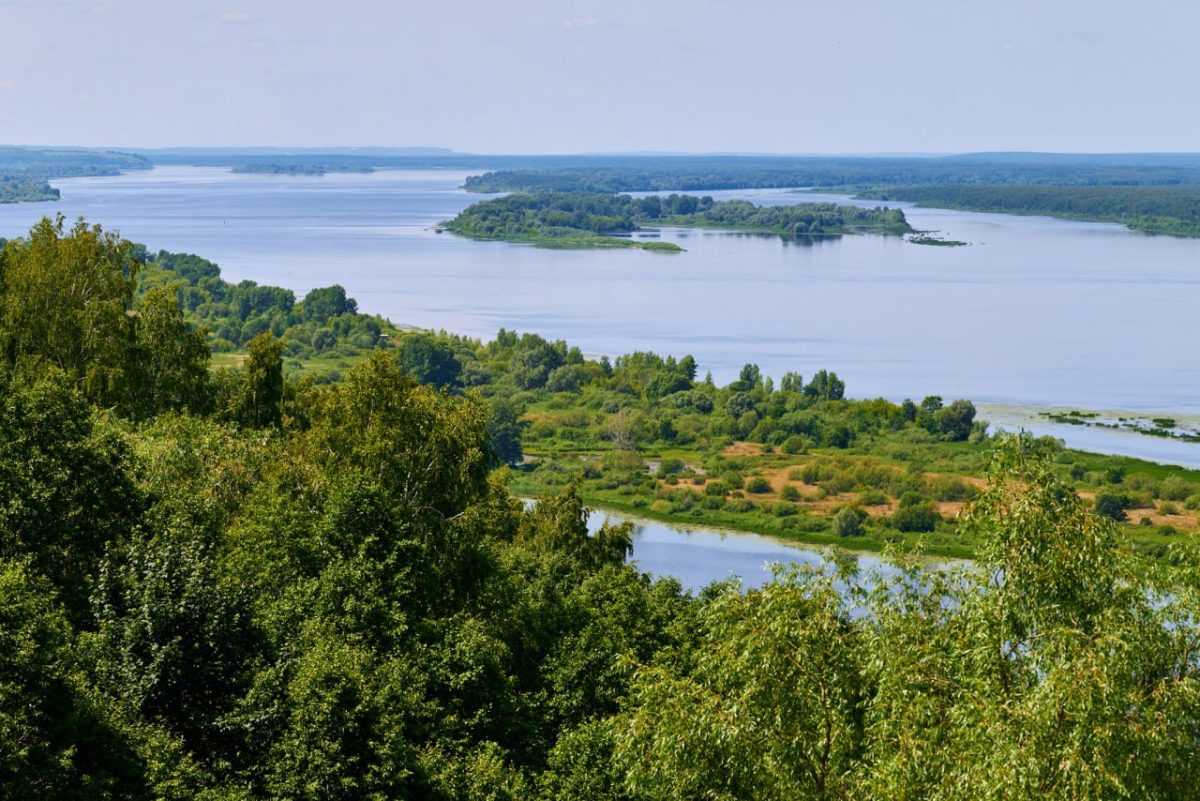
x: 743, y: 449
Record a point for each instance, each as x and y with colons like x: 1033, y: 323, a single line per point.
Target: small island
x: 928, y: 238
x: 581, y: 220
x: 275, y: 168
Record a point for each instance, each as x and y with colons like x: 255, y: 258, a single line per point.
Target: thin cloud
x: 236, y: 16
x: 580, y: 22
x: 8, y: 84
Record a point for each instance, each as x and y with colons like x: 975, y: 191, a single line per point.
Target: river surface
x: 1035, y: 312
x: 698, y: 556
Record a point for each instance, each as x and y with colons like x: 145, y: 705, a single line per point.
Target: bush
x: 1078, y: 471
x: 1192, y: 502
x: 915, y: 515
x: 1168, y: 508
x: 758, y: 485
x: 1111, y: 505
x: 716, y: 489
x: 1114, y: 474
x: 1174, y: 488
x: 872, y: 497
x: 848, y: 521
x: 950, y: 488
x: 795, y: 444
x: 670, y: 467
x: 789, y: 493
x: 838, y: 483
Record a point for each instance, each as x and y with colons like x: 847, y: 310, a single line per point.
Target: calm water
x: 700, y: 556
x: 1035, y: 311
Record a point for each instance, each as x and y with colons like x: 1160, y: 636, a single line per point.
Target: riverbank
x: 802, y: 498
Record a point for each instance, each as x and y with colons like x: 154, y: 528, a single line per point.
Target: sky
x: 573, y: 76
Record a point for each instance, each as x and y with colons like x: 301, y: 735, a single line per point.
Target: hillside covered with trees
x: 231, y: 585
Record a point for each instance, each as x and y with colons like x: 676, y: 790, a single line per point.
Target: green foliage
x: 758, y: 485
x: 915, y: 515
x: 1111, y: 505
x: 430, y: 361
x: 583, y: 220
x: 65, y: 487
x: 848, y: 521
x: 1153, y: 209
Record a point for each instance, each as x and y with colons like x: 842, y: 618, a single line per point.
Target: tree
x: 262, y: 392
x: 505, y: 428
x: 65, y: 300
x: 825, y: 386
x: 766, y: 704
x: 954, y: 422
x: 430, y: 361
x: 749, y: 379
x: 66, y: 486
x: 174, y: 641
x: 331, y: 301
x: 687, y: 366
x: 53, y: 743
x: 170, y: 358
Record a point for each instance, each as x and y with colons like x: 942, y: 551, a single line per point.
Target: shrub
x: 950, y: 488
x: 1142, y: 483
x: 1078, y: 471
x: 758, y: 485
x: 915, y: 514
x: 1111, y: 505
x: 1114, y: 474
x: 789, y: 493
x: 872, y: 497
x: 740, y: 505
x: 797, y: 474
x: 1168, y: 508
x: 838, y: 483
x: 670, y: 467
x: 784, y: 509
x: 811, y: 473
x: 796, y: 443
x: 848, y: 521
x: 1174, y: 488
x: 716, y: 489
x: 1192, y: 502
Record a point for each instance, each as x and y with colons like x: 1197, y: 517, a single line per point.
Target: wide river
x: 1035, y: 312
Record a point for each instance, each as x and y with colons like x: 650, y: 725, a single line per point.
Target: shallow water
x: 698, y: 556
x: 1034, y: 312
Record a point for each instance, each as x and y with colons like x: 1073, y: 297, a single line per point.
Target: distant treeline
x: 687, y: 174
x: 25, y: 172
x: 585, y: 218
x: 1173, y: 210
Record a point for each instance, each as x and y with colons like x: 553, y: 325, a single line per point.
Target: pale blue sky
x: 590, y: 75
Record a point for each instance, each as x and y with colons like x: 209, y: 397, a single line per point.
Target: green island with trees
x: 580, y: 220
x: 231, y: 584
x: 298, y: 168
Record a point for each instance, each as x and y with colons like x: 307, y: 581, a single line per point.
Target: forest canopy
x: 279, y: 590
